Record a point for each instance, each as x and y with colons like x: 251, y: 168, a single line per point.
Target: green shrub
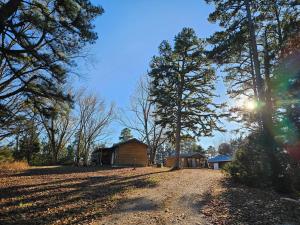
x: 39, y: 159
x: 253, y: 166
x: 66, y: 156
x: 250, y: 164
x: 6, y: 155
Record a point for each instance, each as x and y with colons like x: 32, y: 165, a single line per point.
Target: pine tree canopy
x: 39, y: 40
x: 274, y: 22
x: 125, y: 135
x: 183, y: 84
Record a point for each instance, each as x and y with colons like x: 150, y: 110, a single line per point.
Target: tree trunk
x: 267, y: 76
x: 178, y: 140
x: 150, y: 147
x: 152, y: 154
x: 17, y: 142
x: 265, y: 116
x: 54, y: 151
x: 258, y: 77
x: 86, y: 154
x: 53, y: 144
x: 275, y: 165
x: 253, y: 46
x: 254, y: 85
x: 77, y: 157
x: 55, y: 157
x: 28, y: 149
x: 151, y: 160
x: 178, y: 123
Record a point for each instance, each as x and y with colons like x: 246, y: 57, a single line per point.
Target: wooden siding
x: 186, y: 162
x: 170, y: 162
x: 131, y: 154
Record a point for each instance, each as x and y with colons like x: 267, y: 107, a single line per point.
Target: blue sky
x: 130, y: 32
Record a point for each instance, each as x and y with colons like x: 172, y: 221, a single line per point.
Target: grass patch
x: 28, y: 204
x: 153, y: 181
x: 15, y: 165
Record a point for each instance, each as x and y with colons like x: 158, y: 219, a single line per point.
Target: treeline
x: 66, y: 135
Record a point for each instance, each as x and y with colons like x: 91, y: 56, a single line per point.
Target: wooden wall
x: 131, y: 154
x: 186, y: 162
x: 170, y: 162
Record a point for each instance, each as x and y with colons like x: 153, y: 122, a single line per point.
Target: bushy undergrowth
x: 254, y: 167
x: 46, y: 160
x: 8, y: 162
x: 250, y: 164
x: 11, y: 159
x: 6, y: 155
x: 15, y: 165
x: 40, y: 160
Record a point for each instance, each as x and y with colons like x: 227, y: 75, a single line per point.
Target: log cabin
x: 128, y: 153
x: 193, y: 160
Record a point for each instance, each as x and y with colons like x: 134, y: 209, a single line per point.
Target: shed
x: 219, y: 161
x: 193, y: 160
x: 128, y: 153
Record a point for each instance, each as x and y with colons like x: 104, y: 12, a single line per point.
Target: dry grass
x: 65, y: 194
x: 16, y: 165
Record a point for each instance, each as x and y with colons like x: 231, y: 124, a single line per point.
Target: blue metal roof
x: 220, y: 158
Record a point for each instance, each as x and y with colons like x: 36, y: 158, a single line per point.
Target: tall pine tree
x: 249, y: 45
x: 182, y: 87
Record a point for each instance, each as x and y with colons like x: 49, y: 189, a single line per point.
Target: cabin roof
x: 114, y: 146
x: 133, y: 140
x: 220, y: 158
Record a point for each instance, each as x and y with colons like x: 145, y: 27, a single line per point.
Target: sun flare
x: 250, y: 105
x: 246, y: 104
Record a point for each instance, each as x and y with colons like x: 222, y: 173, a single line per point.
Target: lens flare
x: 247, y: 104
x: 251, y: 105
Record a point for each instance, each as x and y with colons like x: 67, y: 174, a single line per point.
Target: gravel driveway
x: 177, y: 199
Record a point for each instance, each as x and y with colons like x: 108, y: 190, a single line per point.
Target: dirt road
x: 175, y: 200
x: 201, y: 196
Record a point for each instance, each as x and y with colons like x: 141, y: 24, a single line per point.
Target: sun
x: 251, y: 105
x: 246, y: 104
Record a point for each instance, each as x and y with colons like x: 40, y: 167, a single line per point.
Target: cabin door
x: 216, y: 166
x: 193, y: 162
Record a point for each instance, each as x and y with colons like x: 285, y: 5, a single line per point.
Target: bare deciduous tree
x: 94, y: 118
x: 144, y: 119
x: 60, y: 126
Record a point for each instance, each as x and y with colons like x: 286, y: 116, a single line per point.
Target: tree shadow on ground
x: 196, y: 201
x: 63, y: 198
x: 233, y: 203
x: 48, y: 170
